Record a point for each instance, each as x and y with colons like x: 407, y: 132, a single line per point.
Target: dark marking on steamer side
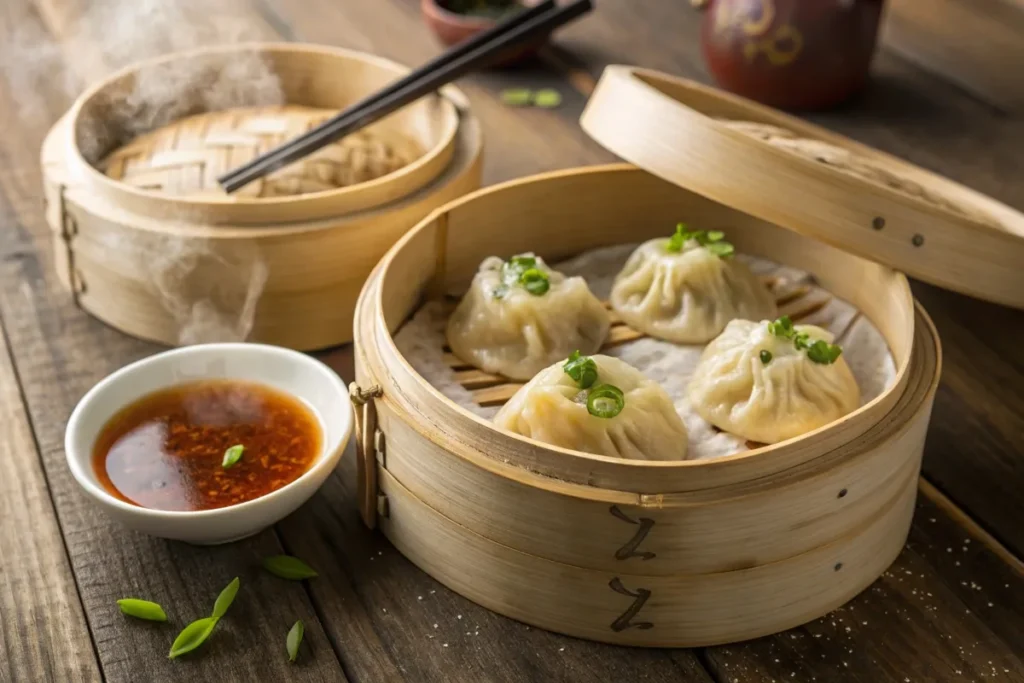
x: 630, y: 548
x: 626, y: 620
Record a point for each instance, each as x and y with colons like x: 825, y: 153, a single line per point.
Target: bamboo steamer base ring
x: 314, y: 251
x: 633, y: 553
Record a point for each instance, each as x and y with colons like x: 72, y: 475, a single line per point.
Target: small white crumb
x: 419, y: 597
x: 967, y: 540
x: 379, y: 553
x: 957, y: 563
x: 459, y: 617
x: 561, y: 649
x: 435, y: 625
x: 991, y: 605
x: 431, y: 592
x: 932, y: 520
x: 445, y: 644
x: 949, y: 550
x: 384, y: 610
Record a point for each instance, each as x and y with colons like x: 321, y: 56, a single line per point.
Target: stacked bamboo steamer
x: 675, y: 553
x: 146, y: 241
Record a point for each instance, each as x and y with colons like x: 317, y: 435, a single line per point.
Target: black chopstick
x: 460, y: 60
x: 279, y: 156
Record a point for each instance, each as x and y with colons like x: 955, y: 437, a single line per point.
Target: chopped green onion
x: 192, y: 636
x: 232, y: 456
x: 818, y: 350
x: 517, y: 97
x: 535, y: 282
x: 547, y: 98
x: 142, y: 609
x: 766, y: 357
x: 294, y: 639
x: 606, y: 401
x: 582, y: 369
x: 288, y: 567
x: 224, y: 600
x: 782, y: 327
x: 676, y: 241
x: 712, y: 240
x: 522, y: 271
x: 521, y: 263
x: 824, y: 353
x: 721, y: 249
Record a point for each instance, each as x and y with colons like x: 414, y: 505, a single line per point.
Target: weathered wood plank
x: 968, y: 42
x: 948, y: 610
x: 59, y: 353
x: 43, y: 632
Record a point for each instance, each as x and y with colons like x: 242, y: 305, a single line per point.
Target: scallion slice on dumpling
x: 687, y: 288
x: 599, y: 405
x: 772, y: 381
x: 519, y: 316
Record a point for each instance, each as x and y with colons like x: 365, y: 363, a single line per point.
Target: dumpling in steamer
x: 519, y: 316
x: 598, y: 405
x: 687, y: 288
x: 772, y: 381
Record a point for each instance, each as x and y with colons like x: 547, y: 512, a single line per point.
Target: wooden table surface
x: 950, y: 609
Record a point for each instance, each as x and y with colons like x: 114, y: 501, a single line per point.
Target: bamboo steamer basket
x: 311, y: 252
x: 680, y: 554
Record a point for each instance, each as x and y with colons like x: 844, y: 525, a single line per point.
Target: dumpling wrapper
x: 789, y: 396
x: 689, y: 296
x: 550, y: 408
x: 521, y: 333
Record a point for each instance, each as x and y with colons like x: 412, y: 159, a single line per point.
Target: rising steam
x: 210, y: 288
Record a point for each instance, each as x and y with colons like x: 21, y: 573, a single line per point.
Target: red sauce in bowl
x: 167, y: 450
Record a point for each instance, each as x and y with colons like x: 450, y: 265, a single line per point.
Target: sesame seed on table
x: 951, y: 608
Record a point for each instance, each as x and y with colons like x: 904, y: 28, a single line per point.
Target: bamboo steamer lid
x: 802, y: 177
x: 185, y: 157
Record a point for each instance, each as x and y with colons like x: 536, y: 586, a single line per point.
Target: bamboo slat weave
x: 186, y: 157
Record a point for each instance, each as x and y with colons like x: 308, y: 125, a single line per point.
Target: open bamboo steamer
x: 685, y: 553
x: 314, y: 250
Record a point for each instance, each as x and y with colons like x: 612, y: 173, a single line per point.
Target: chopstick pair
x: 477, y: 52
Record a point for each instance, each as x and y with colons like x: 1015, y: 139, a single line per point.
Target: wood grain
x: 59, y: 353
x: 43, y: 633
x: 968, y: 42
x: 947, y: 610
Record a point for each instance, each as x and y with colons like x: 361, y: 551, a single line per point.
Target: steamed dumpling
x: 687, y: 288
x: 519, y: 316
x: 768, y: 382
x: 553, y: 408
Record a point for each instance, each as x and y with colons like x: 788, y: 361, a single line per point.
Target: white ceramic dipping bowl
x: 289, y: 371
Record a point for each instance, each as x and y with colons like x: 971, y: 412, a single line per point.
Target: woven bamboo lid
x: 184, y: 158
x: 178, y: 119
x: 805, y: 178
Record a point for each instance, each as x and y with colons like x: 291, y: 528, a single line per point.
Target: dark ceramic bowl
x: 451, y: 28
